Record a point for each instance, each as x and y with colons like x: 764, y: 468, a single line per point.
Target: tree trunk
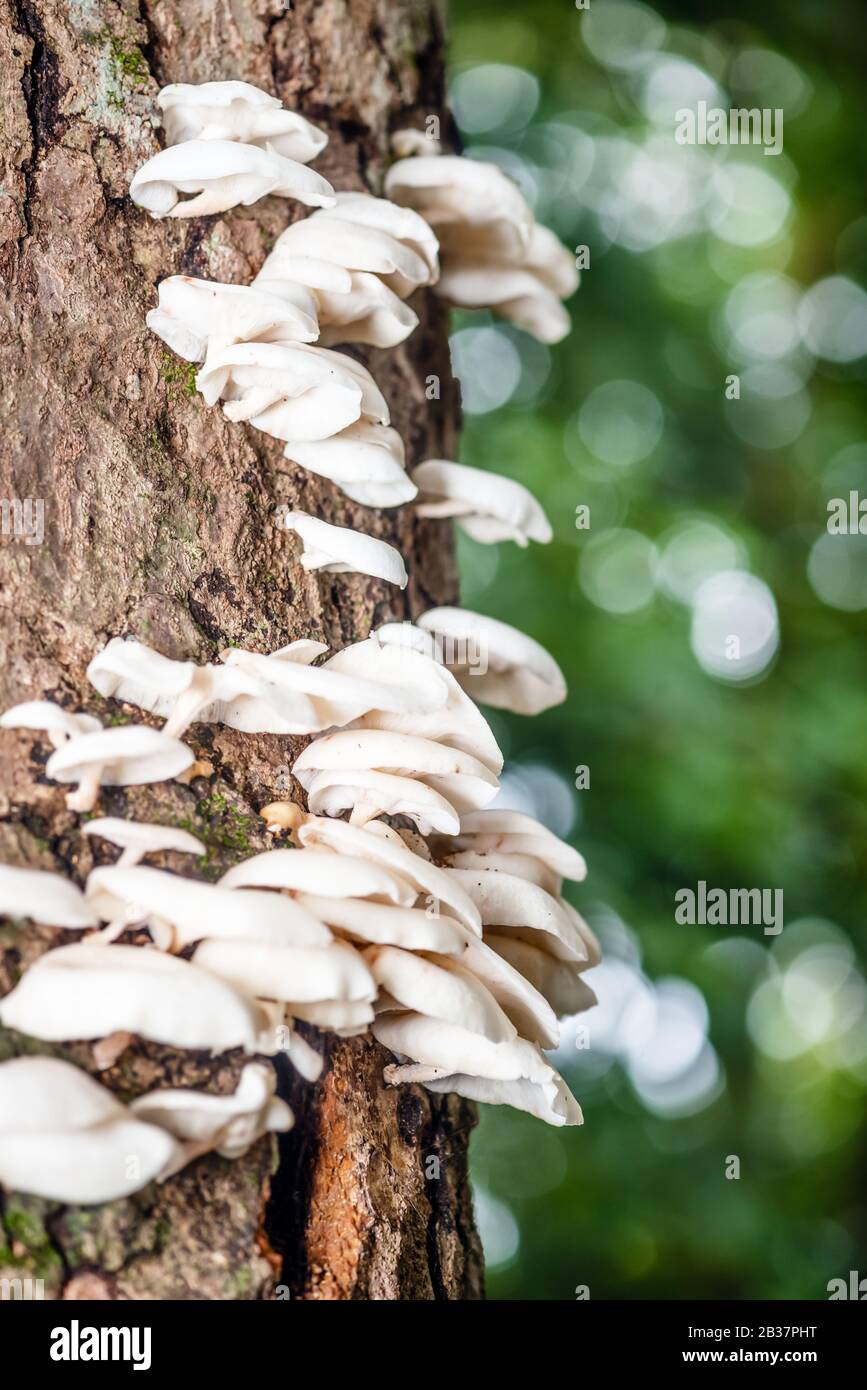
x: 158, y: 524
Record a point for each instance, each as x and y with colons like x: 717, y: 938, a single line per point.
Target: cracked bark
x: 156, y: 524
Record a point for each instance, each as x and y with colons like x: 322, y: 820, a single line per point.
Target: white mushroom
x: 506, y: 669
x: 549, y: 1100
x: 521, y: 865
x: 378, y: 924
x: 180, y: 911
x: 512, y: 833
x: 483, y: 271
x: 360, y: 259
x: 315, y: 871
x: 59, y: 724
x: 442, y: 989
x: 89, y: 991
x: 360, y: 233
x: 220, y: 174
x: 405, y: 225
x: 493, y: 253
x: 237, y: 111
x: 556, y: 980
x: 44, y: 897
x: 371, y: 794
x: 453, y: 720
x: 365, y: 460
x: 291, y: 974
x: 369, y: 312
x: 293, y: 391
x: 66, y: 1138
x: 184, y: 693
x: 464, y: 781
x: 335, y: 697
x: 408, y: 142
x: 228, y: 1125
x: 487, y: 506
x: 517, y: 292
x: 193, y: 313
x: 347, y: 1019
x: 375, y: 843
x: 340, y: 550
x: 518, y: 995
x: 138, y: 838
x: 450, y: 1048
x: 448, y: 190
x: 127, y: 755
x: 518, y: 908
x: 304, y: 1058
x: 354, y: 306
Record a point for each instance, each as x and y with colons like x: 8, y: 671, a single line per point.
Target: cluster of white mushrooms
x: 425, y: 916
x: 494, y: 254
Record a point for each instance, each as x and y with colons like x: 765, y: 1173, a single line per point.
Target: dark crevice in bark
x: 150, y: 47
x: 292, y: 1183
x: 28, y: 24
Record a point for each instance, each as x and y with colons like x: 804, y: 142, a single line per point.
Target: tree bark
x: 157, y: 524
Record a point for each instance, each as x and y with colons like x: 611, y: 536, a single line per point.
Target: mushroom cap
x: 326, y: 875
x: 368, y: 312
x: 439, y: 989
x: 514, y: 833
x: 288, y: 390
x: 369, y: 843
x: 365, y: 460
x: 382, y: 925
x: 335, y: 696
x: 557, y: 980
x: 517, y: 294
x: 144, y: 836
x: 549, y: 1100
x: 463, y: 780
x: 488, y: 506
x: 345, y: 1017
x: 284, y: 267
x: 192, y: 312
x: 408, y: 142
x: 230, y: 1124
x: 44, y: 1094
x: 512, y: 905
x: 132, y: 672
x: 402, y: 223
x: 127, y: 755
x: 451, y: 190
x: 237, y: 111
x: 88, y: 991
x: 66, y: 1138
x: 519, y: 674
x: 44, y: 897
x: 586, y: 933
x: 453, y: 719
x: 289, y: 973
x: 521, y: 865
x: 450, y: 1048
x: 517, y: 995
x: 356, y: 246
x: 383, y: 794
x: 344, y: 551
x: 49, y: 718
x: 194, y: 910
x: 222, y: 173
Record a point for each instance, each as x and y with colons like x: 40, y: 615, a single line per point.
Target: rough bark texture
x: 157, y: 524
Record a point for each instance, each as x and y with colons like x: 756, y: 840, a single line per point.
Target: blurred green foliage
x: 755, y: 782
